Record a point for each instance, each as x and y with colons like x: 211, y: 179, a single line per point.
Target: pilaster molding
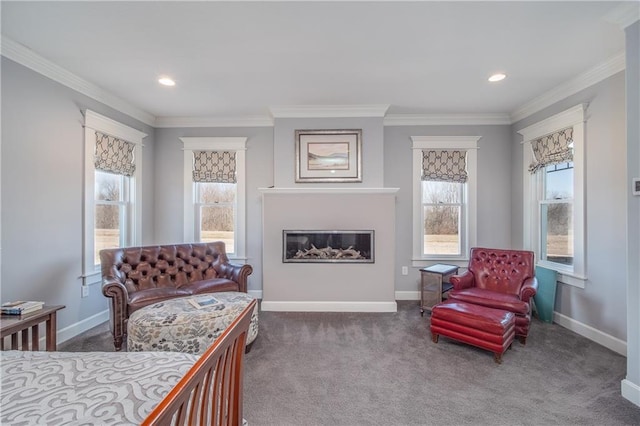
x: 328, y: 111
x: 30, y: 59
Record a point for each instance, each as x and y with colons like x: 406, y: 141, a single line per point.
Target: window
x: 111, y: 211
x: 216, y: 213
x: 443, y: 210
x: 113, y: 177
x: 444, y: 215
x: 214, y: 188
x: 554, y: 193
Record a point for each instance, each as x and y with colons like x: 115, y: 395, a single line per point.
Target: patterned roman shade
x: 444, y: 166
x: 113, y: 155
x: 214, y: 166
x: 552, y: 149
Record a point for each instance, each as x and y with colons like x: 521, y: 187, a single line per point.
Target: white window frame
x: 234, y: 144
x: 93, y: 121
x: 468, y: 225
x: 532, y: 186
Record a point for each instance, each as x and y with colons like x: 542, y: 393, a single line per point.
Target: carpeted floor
x: 383, y: 369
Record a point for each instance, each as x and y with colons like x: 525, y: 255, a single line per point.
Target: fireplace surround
x: 335, y: 246
x: 331, y: 286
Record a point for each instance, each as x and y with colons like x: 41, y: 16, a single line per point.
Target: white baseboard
x: 81, y: 326
x: 604, y: 339
x: 256, y: 294
x: 408, y: 295
x: 329, y: 306
x: 631, y: 391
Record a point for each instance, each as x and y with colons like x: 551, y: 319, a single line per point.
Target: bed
x: 149, y: 388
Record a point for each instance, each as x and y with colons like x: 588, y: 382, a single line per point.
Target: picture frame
x: 328, y: 155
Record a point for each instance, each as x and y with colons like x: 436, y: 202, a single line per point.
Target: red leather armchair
x: 500, y: 279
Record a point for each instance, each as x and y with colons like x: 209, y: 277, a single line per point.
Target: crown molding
x: 595, y: 75
x: 328, y: 111
x: 624, y: 15
x: 445, y: 119
x: 569, y: 117
x: 249, y: 121
x: 30, y: 59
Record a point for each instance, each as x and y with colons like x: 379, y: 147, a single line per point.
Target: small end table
x: 434, y: 281
x: 12, y: 325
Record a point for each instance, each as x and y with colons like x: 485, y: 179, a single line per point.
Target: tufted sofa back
x: 502, y: 271
x: 143, y: 268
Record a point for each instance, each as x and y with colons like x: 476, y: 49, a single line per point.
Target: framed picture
x: 329, y: 155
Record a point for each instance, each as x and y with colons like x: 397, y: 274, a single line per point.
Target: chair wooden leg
x: 523, y: 339
x: 497, y: 357
x: 434, y: 337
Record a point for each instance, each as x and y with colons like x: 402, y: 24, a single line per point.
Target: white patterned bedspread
x: 86, y: 388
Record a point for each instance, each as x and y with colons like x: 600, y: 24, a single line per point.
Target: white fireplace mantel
x: 328, y: 190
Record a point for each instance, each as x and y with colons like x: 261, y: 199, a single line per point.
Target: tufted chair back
x: 502, y: 271
x: 143, y: 268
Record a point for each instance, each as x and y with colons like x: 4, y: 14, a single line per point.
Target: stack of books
x: 20, y: 307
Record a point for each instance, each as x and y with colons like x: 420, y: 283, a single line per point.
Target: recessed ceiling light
x: 166, y: 81
x: 497, y: 77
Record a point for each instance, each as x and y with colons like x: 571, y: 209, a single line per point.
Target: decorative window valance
x: 113, y: 155
x: 552, y: 149
x: 444, y: 166
x: 214, y: 166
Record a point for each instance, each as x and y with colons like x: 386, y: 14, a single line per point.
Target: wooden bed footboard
x: 210, y: 393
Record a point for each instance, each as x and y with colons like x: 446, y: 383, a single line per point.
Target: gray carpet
x: 383, y: 369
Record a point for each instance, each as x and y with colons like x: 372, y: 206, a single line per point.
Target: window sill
x: 565, y: 276
x: 91, y: 278
x: 572, y: 280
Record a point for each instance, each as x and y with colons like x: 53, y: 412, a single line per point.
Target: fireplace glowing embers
x: 328, y: 246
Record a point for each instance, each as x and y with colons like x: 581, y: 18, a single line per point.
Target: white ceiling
x: 237, y: 59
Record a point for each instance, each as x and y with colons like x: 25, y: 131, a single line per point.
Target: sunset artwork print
x: 328, y: 156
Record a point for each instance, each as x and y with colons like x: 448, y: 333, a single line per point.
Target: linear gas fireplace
x: 327, y: 246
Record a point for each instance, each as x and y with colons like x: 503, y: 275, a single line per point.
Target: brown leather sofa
x: 500, y: 279
x: 134, y: 277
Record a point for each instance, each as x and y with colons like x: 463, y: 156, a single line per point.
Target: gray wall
x: 42, y: 166
x: 169, y: 197
x: 494, y: 187
x: 631, y: 388
x: 602, y: 303
x: 42, y: 191
x: 372, y: 149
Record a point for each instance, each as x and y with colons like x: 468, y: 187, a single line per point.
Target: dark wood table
x: 13, y: 325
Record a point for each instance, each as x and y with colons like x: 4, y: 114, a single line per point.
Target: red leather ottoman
x: 486, y: 328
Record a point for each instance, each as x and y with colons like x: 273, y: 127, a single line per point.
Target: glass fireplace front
x: 328, y: 246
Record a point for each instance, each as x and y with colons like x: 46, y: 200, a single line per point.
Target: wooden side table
x: 13, y: 325
x: 434, y: 281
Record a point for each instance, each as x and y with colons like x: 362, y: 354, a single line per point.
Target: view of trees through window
x: 442, y: 204
x: 216, y: 202
x: 109, y: 211
x: 556, y: 214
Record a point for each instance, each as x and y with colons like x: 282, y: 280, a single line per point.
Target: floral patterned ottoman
x: 179, y: 325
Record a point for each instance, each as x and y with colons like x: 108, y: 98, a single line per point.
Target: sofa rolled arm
x: 238, y: 273
x: 529, y: 289
x: 117, y: 292
x: 462, y: 281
